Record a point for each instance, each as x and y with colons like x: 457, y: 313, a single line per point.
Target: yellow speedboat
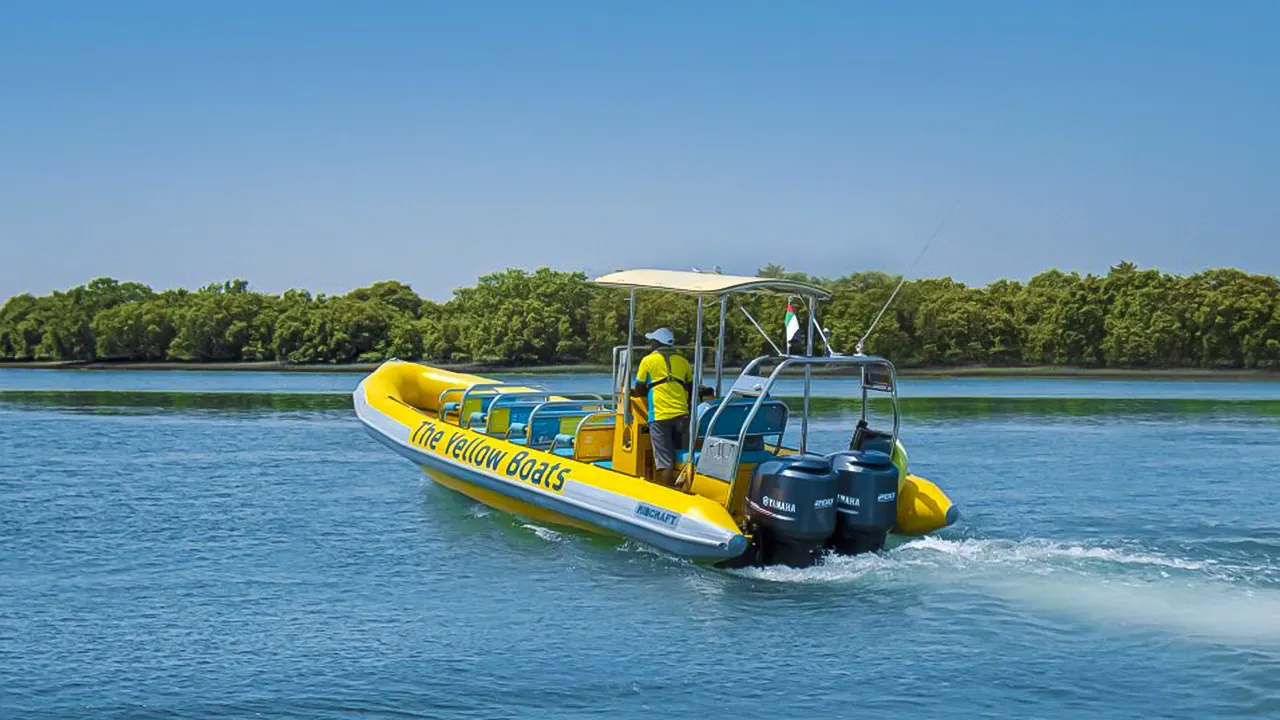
x: 584, y: 460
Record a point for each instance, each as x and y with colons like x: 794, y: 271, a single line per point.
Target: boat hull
x: 503, y: 503
x: 547, y: 487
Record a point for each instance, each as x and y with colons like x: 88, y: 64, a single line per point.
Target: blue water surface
x: 185, y: 559
x: 836, y: 387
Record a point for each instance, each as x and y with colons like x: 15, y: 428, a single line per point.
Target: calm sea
x: 184, y: 545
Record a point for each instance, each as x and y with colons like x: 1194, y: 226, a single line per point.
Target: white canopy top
x: 695, y: 283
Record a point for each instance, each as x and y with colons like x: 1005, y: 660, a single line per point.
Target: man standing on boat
x: 666, y: 380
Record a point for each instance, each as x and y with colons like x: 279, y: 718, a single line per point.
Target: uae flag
x: 793, y: 325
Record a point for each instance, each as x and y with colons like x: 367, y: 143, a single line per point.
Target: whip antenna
x: 862, y: 341
x: 763, y: 334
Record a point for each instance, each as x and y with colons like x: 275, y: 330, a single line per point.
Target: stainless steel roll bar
x: 513, y: 400
x: 721, y: 457
x: 524, y: 391
x: 601, y: 406
x: 610, y: 415
x: 481, y: 388
x: 586, y: 420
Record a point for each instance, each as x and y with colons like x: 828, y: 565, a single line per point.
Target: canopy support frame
x: 693, y: 392
x: 626, y: 375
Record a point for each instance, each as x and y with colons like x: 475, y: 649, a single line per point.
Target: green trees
x: 524, y: 318
x: 20, y: 327
x: 58, y: 326
x: 1149, y: 323
x: 1129, y: 317
x: 1063, y: 317
x: 1236, y: 319
x: 222, y: 322
x: 135, y: 331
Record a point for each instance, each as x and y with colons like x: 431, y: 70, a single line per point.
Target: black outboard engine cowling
x: 792, y: 504
x: 866, y: 500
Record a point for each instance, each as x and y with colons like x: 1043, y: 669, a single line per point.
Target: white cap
x: 663, y: 336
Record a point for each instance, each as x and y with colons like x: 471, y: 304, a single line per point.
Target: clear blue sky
x: 328, y: 145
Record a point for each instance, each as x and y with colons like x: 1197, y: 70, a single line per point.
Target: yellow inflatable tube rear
x: 922, y: 506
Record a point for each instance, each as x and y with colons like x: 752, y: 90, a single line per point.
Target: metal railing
x: 721, y: 457
x: 577, y: 408
x: 609, y: 415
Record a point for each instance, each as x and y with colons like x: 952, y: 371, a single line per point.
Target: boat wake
x: 1107, y: 586
x: 1035, y: 553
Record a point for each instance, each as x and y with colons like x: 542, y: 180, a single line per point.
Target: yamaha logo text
x: 779, y: 505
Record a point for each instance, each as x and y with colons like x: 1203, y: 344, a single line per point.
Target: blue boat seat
x: 770, y: 420
x: 547, y: 428
x: 544, y: 429
x: 481, y: 403
x: 606, y: 464
x: 562, y: 444
x: 477, y: 419
x: 520, y: 413
x: 748, y: 456
x: 504, y: 417
x: 591, y: 442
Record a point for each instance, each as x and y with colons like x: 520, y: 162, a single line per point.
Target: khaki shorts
x: 668, y: 436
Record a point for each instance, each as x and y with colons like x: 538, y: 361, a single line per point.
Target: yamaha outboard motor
x: 792, y: 502
x: 866, y: 500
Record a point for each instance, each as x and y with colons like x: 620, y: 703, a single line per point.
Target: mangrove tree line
x: 1129, y: 317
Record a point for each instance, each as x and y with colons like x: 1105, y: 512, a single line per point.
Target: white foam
x: 1036, y: 550
x: 544, y: 533
x: 834, y: 569
x: 1108, y: 586
x: 631, y: 546
x: 968, y: 555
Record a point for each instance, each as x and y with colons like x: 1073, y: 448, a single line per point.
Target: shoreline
x: 966, y: 371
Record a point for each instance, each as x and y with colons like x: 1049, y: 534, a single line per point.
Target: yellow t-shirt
x: 667, y: 399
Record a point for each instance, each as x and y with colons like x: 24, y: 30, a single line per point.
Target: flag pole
x: 786, y: 329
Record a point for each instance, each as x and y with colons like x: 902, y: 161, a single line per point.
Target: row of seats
x: 584, y: 430
x: 580, y: 429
